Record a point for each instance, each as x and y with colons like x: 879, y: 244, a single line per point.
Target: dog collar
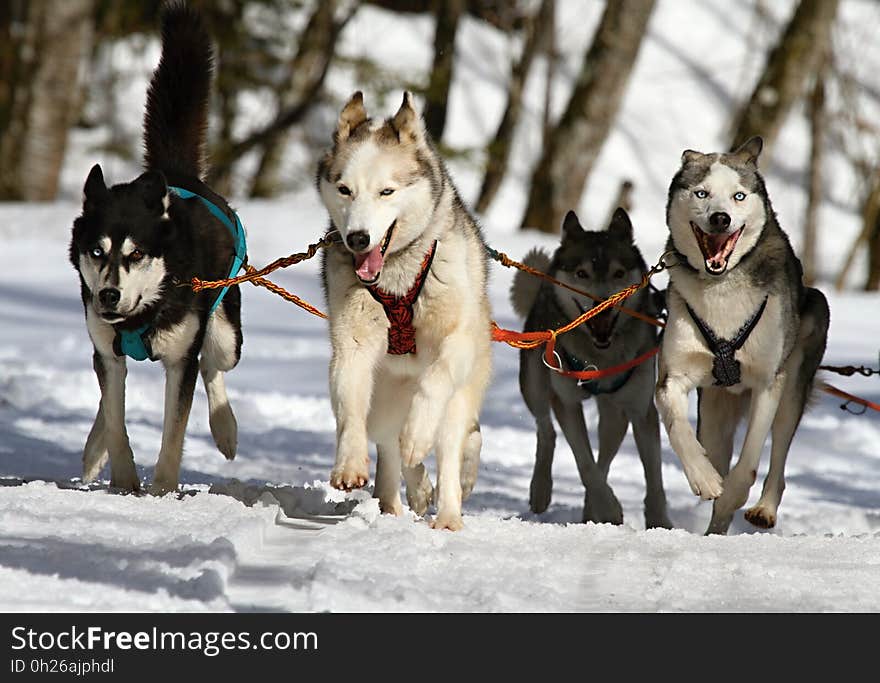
x: 725, y: 367
x: 399, y: 309
x: 136, y: 343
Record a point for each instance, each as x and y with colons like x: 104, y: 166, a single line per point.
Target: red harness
x: 399, y: 310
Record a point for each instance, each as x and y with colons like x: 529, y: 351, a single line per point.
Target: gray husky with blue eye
x: 743, y: 331
x: 601, y: 263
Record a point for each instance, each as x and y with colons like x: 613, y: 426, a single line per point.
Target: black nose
x: 719, y: 219
x: 109, y: 297
x: 358, y: 241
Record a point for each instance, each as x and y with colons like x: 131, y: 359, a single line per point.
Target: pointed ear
x: 95, y: 190
x: 406, y: 122
x: 352, y: 115
x: 750, y: 150
x: 688, y: 156
x: 153, y: 190
x: 621, y: 226
x: 571, y: 227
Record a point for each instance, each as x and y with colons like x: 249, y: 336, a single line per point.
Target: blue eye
x: 97, y: 252
x: 387, y: 191
x: 739, y: 196
x: 701, y: 194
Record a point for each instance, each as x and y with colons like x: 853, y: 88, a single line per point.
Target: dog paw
x: 450, y: 521
x: 125, y: 477
x: 601, y: 506
x: 704, y: 479
x: 224, y: 429
x: 126, y: 483
x: 657, y: 520
x: 420, y: 496
x: 162, y: 486
x: 540, y: 493
x: 391, y: 507
x: 353, y: 474
x: 761, y: 516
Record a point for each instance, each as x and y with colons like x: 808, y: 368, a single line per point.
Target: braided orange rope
x: 531, y: 340
x: 508, y: 262
x: 253, y: 275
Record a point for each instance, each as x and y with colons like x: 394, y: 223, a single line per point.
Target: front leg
x: 762, y: 411
x: 108, y: 435
x: 448, y: 372
x: 180, y: 383
x: 646, y: 431
x: 672, y: 404
x: 351, y: 388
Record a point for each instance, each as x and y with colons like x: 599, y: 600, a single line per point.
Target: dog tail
x: 525, y: 287
x: 177, y: 100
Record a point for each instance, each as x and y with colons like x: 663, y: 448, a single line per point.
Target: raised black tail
x: 176, y: 119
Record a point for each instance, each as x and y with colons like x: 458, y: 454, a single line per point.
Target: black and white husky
x: 601, y: 263
x: 135, y: 243
x: 743, y: 330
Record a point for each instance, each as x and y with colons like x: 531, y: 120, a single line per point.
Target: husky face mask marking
x: 377, y: 184
x: 118, y: 242
x: 601, y: 263
x: 716, y: 211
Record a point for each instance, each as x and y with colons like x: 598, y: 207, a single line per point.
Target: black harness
x: 725, y: 367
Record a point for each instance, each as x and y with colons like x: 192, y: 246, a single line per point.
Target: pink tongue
x: 369, y: 265
x: 717, y: 242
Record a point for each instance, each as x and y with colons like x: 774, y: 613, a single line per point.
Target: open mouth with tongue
x: 368, y: 264
x: 716, y: 248
x: 600, y: 326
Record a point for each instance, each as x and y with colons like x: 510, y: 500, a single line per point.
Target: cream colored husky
x: 409, y: 314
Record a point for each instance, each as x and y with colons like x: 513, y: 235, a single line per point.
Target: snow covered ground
x: 265, y: 532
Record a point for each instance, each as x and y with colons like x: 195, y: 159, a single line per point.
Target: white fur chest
x: 725, y: 306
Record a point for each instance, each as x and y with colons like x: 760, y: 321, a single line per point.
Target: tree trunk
x: 552, y: 60
x: 871, y: 230
x: 795, y: 57
x: 44, y: 43
x: 448, y: 13
x: 814, y: 197
x: 308, y: 68
x: 561, y: 174
x: 498, y: 151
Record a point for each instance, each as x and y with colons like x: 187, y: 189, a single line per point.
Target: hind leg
x: 718, y: 412
x: 387, y: 488
x: 646, y: 431
x: 454, y: 428
x: 470, y: 464
x: 419, y: 489
x: 763, y: 514
x: 180, y: 383
x: 220, y: 353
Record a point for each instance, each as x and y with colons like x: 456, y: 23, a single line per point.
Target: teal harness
x: 135, y: 343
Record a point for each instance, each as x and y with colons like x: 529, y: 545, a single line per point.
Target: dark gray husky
x: 743, y: 331
x: 136, y: 242
x: 601, y: 263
